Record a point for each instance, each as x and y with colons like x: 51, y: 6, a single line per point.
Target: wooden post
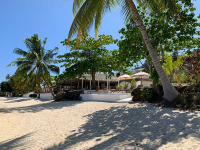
x: 78, y: 85
x: 82, y: 84
x: 90, y: 85
x: 107, y: 84
x: 98, y: 85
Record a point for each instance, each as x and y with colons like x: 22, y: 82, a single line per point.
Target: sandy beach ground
x: 36, y: 125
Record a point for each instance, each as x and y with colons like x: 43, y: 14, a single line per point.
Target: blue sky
x: 20, y: 19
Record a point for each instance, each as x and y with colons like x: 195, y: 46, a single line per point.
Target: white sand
x: 33, y: 125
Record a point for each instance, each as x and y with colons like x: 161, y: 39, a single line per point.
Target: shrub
x: 137, y: 95
x: 197, y: 98
x: 125, y: 85
x: 68, y: 95
x: 180, y: 100
x: 2, y: 94
x: 151, y: 95
x: 33, y: 95
x: 189, y: 98
x: 121, y: 86
x: 133, y: 83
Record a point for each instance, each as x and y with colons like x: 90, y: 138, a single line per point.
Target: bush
x: 197, y: 98
x: 133, y: 83
x: 189, y: 98
x: 68, y: 95
x: 33, y: 95
x: 125, y: 85
x: 151, y: 95
x: 137, y: 95
x: 121, y: 86
x: 2, y: 94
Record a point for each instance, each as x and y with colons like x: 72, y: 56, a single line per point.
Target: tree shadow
x: 40, y: 107
x: 135, y: 128
x: 17, y: 143
x: 16, y: 99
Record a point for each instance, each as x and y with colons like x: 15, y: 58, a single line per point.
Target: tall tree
x: 90, y: 56
x: 36, y: 63
x: 166, y: 33
x: 87, y: 12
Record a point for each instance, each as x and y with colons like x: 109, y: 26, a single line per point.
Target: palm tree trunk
x: 170, y: 93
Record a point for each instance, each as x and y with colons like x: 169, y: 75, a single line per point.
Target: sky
x: 20, y: 19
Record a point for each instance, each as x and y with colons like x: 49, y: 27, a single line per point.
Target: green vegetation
x: 163, y: 33
x: 133, y: 83
x: 175, y: 70
x: 88, y: 12
x: 34, y: 65
x: 90, y: 56
x: 166, y: 33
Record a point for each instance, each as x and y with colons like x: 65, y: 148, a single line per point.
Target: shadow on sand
x: 134, y: 128
x: 48, y: 105
x: 17, y: 143
x: 16, y: 99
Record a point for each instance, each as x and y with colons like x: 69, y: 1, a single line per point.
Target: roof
x: 100, y: 76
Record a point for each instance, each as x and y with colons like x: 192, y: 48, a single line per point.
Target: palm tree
x: 89, y: 12
x: 36, y: 63
x: 174, y: 69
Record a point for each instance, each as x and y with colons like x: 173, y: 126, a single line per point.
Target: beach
x: 77, y: 125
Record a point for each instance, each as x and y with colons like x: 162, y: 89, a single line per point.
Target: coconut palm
x: 89, y: 12
x: 36, y: 63
x: 174, y: 69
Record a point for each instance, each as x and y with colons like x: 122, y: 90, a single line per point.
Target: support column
x: 98, y: 84
x: 90, y: 84
x: 82, y: 84
x: 78, y: 85
x: 107, y: 84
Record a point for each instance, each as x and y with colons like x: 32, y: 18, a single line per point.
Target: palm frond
x: 76, y: 5
x: 50, y: 54
x: 53, y: 68
x: 20, y: 52
x: 91, y: 11
x: 88, y: 12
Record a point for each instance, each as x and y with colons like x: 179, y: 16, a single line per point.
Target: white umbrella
x: 125, y: 76
x: 141, y: 74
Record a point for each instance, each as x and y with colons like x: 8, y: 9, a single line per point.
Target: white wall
x: 144, y: 83
x: 110, y: 97
x: 27, y: 95
x: 46, y: 96
x: 105, y: 97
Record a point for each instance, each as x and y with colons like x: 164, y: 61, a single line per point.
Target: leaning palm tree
x: 89, y: 12
x: 36, y: 63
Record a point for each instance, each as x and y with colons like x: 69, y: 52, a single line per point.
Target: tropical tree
x: 166, y: 33
x: 36, y: 63
x: 87, y: 12
x: 90, y: 56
